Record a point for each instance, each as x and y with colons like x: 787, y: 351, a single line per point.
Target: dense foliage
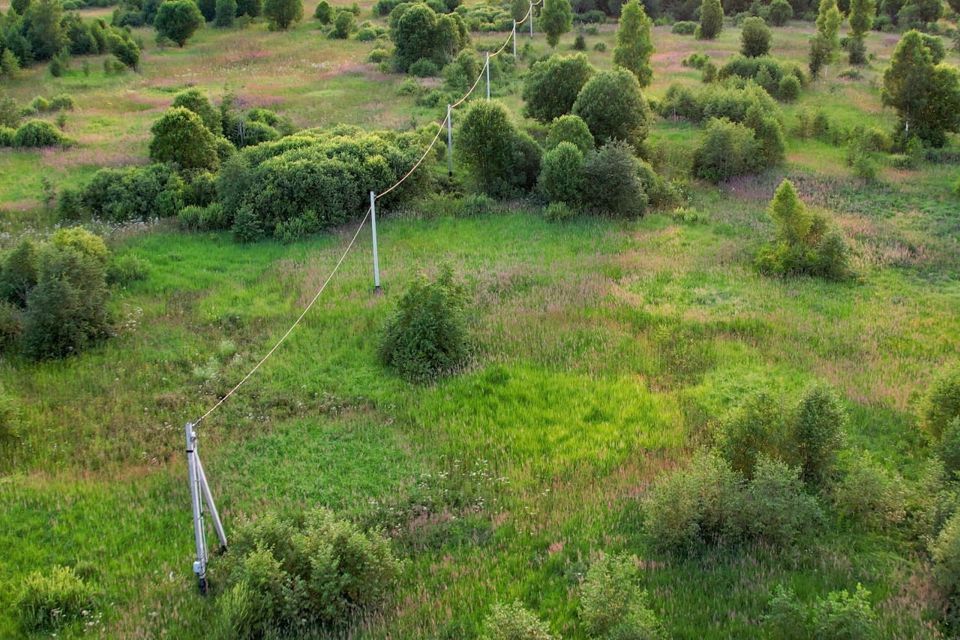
x: 282, y: 13
x: 612, y: 604
x: 178, y: 20
x: 419, y: 33
x: 634, y: 43
x: 755, y: 37
x: 711, y: 20
x: 613, y: 107
x: 555, y: 19
x: 552, y: 85
x: 50, y: 600
x: 504, y: 160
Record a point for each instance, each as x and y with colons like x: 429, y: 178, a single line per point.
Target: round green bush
x: 323, y: 12
x: 755, y: 37
x: 342, y: 25
x: 50, y: 600
x: 819, y: 433
x: 180, y: 136
x: 613, y: 107
x: 552, y: 85
x: 781, y: 11
x: 195, y: 101
x: 684, y: 28
x: 788, y: 89
x: 226, y: 13
x: 611, y: 182
x: 941, y: 404
x: 7, y: 136
x: 423, y: 68
x: 378, y: 55
x: 573, y: 129
x: 558, y: 212
x: 561, y: 174
x: 514, y: 622
x: 728, y: 149
x: 282, y: 13
x: 178, y: 20
x: 612, y: 604
x: 427, y: 336
x: 39, y: 133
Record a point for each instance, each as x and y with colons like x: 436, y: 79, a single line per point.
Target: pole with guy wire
x: 514, y: 38
x: 373, y: 229
x: 531, y: 18
x: 487, y: 67
x: 200, y: 493
x: 449, y: 141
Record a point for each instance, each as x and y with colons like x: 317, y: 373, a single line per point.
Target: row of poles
x: 200, y: 494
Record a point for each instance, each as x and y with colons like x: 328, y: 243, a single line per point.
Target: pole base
x: 377, y: 291
x: 202, y: 585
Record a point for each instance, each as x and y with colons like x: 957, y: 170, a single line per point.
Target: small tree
x: 179, y: 136
x: 342, y: 25
x: 519, y: 9
x: 612, y: 604
x: 780, y: 12
x: 926, y: 96
x: 43, y: 28
x: 570, y: 128
x: 613, y: 107
x: 552, y: 85
x: 825, y: 43
x: 208, y: 8
x: 226, y: 13
x: 861, y: 21
x: 711, y: 20
x: 427, y: 336
x: 178, y: 20
x: 755, y: 38
x: 194, y: 100
x: 499, y: 155
x: 941, y: 404
x: 282, y: 13
x: 556, y: 18
x: 561, y: 174
x: 323, y: 13
x: 818, y: 433
x: 634, y: 44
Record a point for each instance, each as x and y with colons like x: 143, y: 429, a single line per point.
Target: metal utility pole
x: 200, y: 493
x: 373, y: 227
x: 449, y: 141
x: 487, y: 66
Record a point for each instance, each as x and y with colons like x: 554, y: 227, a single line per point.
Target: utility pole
x: 373, y: 228
x: 487, y: 67
x: 449, y: 141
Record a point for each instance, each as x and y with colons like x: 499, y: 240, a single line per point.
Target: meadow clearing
x: 605, y: 350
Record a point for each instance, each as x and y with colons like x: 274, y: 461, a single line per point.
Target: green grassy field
x: 604, y: 349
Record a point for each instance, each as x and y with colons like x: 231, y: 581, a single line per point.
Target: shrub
x: 612, y: 605
x: 818, y: 433
x: 945, y: 552
x: 7, y: 136
x: 180, y: 136
x: 324, y: 12
x: 282, y: 13
x: 572, y: 129
x: 764, y: 70
x: 514, y: 622
x: 11, y: 328
x: 711, y: 20
x: 716, y: 101
x: 82, y: 241
x: 634, y: 44
x: 684, y: 28
x: 780, y: 12
x: 287, y: 576
x: 226, y: 13
x: 552, y: 85
x: 806, y: 244
x: 50, y: 600
x: 126, y: 269
x: 561, y: 174
x: 427, y: 336
x: 503, y: 159
x: 755, y: 38
x: 178, y: 20
x: 556, y: 18
x: 611, y: 182
x: 776, y: 510
x: 62, y: 102
x: 39, y: 133
x: 418, y: 32
x: 195, y: 101
x: 613, y: 107
x: 19, y: 273
x: 788, y: 89
x: 950, y: 448
x: 423, y: 68
x: 754, y: 429
x: 342, y: 25
x: 728, y: 149
x: 869, y: 495
x: 709, y: 73
x: 845, y: 615
x: 378, y: 55
x: 941, y: 404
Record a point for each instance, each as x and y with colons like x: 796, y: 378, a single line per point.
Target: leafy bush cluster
x: 782, y: 81
x: 119, y: 195
x: 33, y: 134
x: 806, y: 243
x: 291, y: 575
x: 55, y: 294
x: 420, y: 33
x: 841, y: 614
x: 612, y: 604
x: 514, y: 622
x: 715, y: 101
x: 504, y: 159
x: 753, y: 485
x: 427, y: 336
x: 50, y: 600
x: 551, y: 87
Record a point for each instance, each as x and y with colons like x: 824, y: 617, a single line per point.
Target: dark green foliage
x: 926, y: 96
x: 427, y: 336
x: 67, y: 309
x: 59, y: 64
x: 684, y: 28
x: 44, y: 30
x: 423, y: 68
x: 561, y: 174
x: 251, y: 8
x: 788, y: 89
x: 126, y: 270
x: 768, y: 132
x: 342, y: 25
x: 323, y: 12
x: 52, y: 599
x: 504, y: 160
x: 7, y: 136
x: 611, y: 182
x: 945, y: 552
x: 178, y: 20
x: 780, y: 12
x: 840, y: 614
x: 11, y: 328
x: 208, y: 8
x: 728, y: 149
x: 419, y: 33
x: 764, y: 70
x: 19, y: 273
x: 613, y: 107
x: 39, y: 133
x: 941, y: 404
x: 612, y: 604
x: 195, y: 101
x: 806, y: 244
x: 282, y: 13
x: 950, y: 448
x: 552, y: 85
x: 118, y: 195
x: 180, y: 136
x: 756, y: 428
x: 290, y: 576
x: 634, y: 44
x: 9, y: 113
x: 711, y: 20
x: 226, y: 13
x: 862, y: 13
x: 818, y: 433
x: 556, y: 18
x: 755, y: 38
x: 570, y: 128
x: 514, y: 622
